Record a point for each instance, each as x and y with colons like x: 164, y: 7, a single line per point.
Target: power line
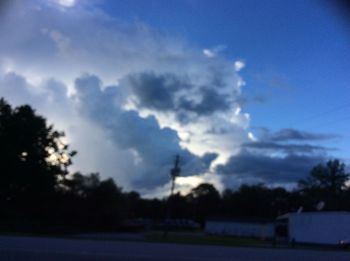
x: 333, y: 122
x: 318, y: 115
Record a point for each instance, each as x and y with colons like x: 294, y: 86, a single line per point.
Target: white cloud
x: 251, y: 136
x: 209, y: 53
x: 239, y: 65
x: 66, y: 3
x: 213, y: 52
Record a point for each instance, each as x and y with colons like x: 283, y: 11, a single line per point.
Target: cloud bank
x: 275, y: 158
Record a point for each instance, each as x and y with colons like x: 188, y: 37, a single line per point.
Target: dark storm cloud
x: 292, y: 134
x: 169, y: 92
x: 155, y: 91
x: 286, y: 148
x: 210, y: 102
x: 5, y: 6
x: 208, y: 158
x: 274, y: 158
x: 154, y: 147
x: 248, y: 165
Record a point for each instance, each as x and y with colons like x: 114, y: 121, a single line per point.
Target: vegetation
x: 38, y: 193
x: 202, y: 239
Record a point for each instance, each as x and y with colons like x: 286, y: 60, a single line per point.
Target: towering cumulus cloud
x: 151, y: 146
x: 128, y: 97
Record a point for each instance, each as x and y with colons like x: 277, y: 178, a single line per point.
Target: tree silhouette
x: 33, y: 159
x: 206, y: 201
x: 325, y: 182
x: 331, y: 178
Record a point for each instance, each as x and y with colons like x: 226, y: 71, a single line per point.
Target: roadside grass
x: 197, y: 238
x: 202, y: 239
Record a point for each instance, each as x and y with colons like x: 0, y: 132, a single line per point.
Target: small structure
x: 315, y: 227
x: 241, y: 227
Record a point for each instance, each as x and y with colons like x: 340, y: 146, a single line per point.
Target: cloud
x: 169, y: 92
x: 275, y: 158
x: 155, y: 91
x: 213, y: 52
x: 135, y: 150
x: 66, y: 3
x: 257, y: 167
x: 4, y: 5
x: 18, y: 90
x: 12, y: 83
x: 66, y: 44
x: 182, y: 94
x: 209, y: 53
x: 209, y: 102
x: 252, y: 137
x: 152, y: 146
x: 285, y: 148
x: 292, y: 134
x: 239, y: 65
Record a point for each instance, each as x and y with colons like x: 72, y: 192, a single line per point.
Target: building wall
x: 240, y: 229
x: 319, y: 227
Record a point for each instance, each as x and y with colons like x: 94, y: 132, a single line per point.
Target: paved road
x: 33, y: 248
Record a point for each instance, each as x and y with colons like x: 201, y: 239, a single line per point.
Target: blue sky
x: 132, y: 83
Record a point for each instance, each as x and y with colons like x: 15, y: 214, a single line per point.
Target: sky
x: 244, y: 91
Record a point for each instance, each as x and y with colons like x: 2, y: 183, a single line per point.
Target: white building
x: 241, y: 227
x: 315, y: 227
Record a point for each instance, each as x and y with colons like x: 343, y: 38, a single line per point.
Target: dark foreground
x: 33, y: 248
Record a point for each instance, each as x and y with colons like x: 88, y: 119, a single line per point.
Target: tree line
x: 37, y: 192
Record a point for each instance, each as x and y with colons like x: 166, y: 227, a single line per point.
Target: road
x: 38, y: 248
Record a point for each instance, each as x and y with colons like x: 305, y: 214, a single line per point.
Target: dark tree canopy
x: 205, y: 190
x: 33, y: 157
x: 326, y: 183
x: 330, y: 178
x: 206, y: 200
x: 36, y: 190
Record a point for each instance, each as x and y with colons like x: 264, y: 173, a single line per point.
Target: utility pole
x: 174, y: 173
